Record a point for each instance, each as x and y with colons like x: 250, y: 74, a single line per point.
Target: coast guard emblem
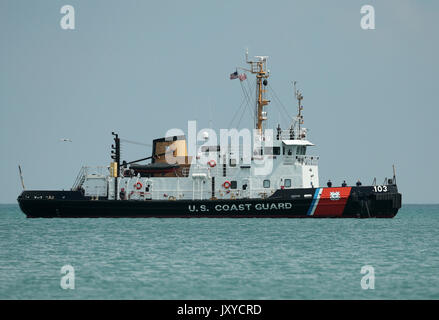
x: 334, y: 195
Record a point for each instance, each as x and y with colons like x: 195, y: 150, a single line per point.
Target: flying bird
x: 65, y: 140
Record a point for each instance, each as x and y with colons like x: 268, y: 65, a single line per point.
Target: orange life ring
x: 226, y: 184
x: 212, y: 163
x: 138, y: 185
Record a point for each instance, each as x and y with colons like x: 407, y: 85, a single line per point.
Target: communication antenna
x: 299, y: 97
x: 21, y: 177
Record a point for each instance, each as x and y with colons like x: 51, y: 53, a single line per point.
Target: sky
x: 141, y: 68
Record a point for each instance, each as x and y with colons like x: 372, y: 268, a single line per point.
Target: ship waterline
x: 356, y: 204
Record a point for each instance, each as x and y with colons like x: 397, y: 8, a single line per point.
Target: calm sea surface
x: 220, y: 258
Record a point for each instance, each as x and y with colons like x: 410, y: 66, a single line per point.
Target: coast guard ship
x: 218, y: 181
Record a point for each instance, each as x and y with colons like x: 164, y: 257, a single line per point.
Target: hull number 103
x: 380, y: 188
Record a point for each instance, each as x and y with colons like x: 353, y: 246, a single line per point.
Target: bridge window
x: 301, y: 150
x: 233, y: 184
x: 287, y: 183
x: 266, y: 183
x: 272, y: 151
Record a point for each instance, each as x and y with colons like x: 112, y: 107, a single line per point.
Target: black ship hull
x: 339, y: 202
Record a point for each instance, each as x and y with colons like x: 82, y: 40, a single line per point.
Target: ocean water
x: 221, y: 258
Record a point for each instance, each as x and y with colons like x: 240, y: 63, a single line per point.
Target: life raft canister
x: 226, y: 184
x: 138, y: 185
x: 211, y: 163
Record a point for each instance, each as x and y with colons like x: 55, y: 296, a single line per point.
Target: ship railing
x: 301, y: 160
x: 289, y: 134
x: 202, y: 194
x: 88, y: 171
x: 307, y: 160
x: 235, y: 167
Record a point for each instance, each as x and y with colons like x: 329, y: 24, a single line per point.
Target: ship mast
x: 259, y: 68
x: 299, y: 116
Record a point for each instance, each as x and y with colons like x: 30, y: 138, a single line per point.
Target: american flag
x: 234, y: 75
